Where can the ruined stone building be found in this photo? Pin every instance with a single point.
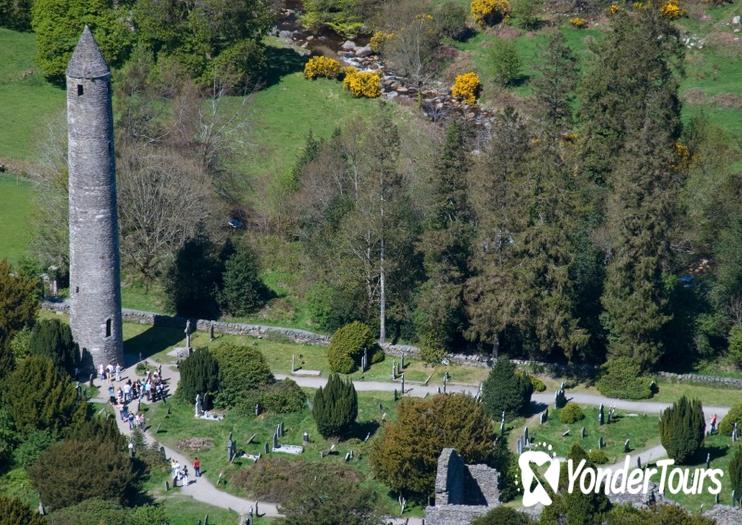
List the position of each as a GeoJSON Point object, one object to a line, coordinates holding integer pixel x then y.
{"type": "Point", "coordinates": [95, 288]}
{"type": "Point", "coordinates": [462, 492]}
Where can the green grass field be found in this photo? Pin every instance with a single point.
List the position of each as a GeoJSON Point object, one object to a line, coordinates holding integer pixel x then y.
{"type": "Point", "coordinates": [641, 429]}
{"type": "Point", "coordinates": [16, 225]}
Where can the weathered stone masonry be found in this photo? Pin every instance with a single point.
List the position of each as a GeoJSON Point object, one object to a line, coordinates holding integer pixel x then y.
{"type": "Point", "coordinates": [95, 291]}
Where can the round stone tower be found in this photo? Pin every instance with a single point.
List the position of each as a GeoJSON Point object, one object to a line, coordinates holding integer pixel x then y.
{"type": "Point", "coordinates": [95, 288]}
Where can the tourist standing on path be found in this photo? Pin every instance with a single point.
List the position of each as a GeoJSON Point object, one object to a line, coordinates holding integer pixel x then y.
{"type": "Point", "coordinates": [197, 467]}
{"type": "Point", "coordinates": [118, 372]}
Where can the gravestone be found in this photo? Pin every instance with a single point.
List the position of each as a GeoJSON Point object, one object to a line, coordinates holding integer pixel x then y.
{"type": "Point", "coordinates": [525, 436]}
{"type": "Point", "coordinates": [257, 409]}
{"type": "Point", "coordinates": [211, 330]}
{"type": "Point", "coordinates": [402, 383]}
{"type": "Point", "coordinates": [188, 335]}
{"type": "Point", "coordinates": [601, 443]}
{"type": "Point", "coordinates": [199, 406]}
{"type": "Point", "coordinates": [626, 446]}
{"type": "Point", "coordinates": [364, 360]}
{"type": "Point", "coordinates": [502, 424]}
{"type": "Point", "coordinates": [708, 459]}
{"type": "Point", "coordinates": [638, 462]}
{"type": "Point", "coordinates": [267, 448]}
{"type": "Point", "coordinates": [583, 433]}
{"type": "Point", "coordinates": [275, 441]}
{"type": "Point", "coordinates": [601, 414]}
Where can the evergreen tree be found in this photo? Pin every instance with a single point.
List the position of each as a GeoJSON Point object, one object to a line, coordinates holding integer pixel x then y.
{"type": "Point", "coordinates": [735, 471]}
{"type": "Point", "coordinates": [506, 389]}
{"type": "Point", "coordinates": [335, 407]}
{"type": "Point", "coordinates": [445, 244]}
{"type": "Point", "coordinates": [682, 428]}
{"type": "Point", "coordinates": [554, 89]}
{"type": "Point", "coordinates": [58, 25]}
{"type": "Point", "coordinates": [14, 512]}
{"type": "Point", "coordinates": [53, 339]}
{"type": "Point", "coordinates": [40, 397]}
{"type": "Point", "coordinates": [19, 302]}
{"type": "Point", "coordinates": [242, 290]}
{"type": "Point", "coordinates": [637, 135]}
{"type": "Point", "coordinates": [192, 280]}
{"type": "Point", "coordinates": [16, 14]}
{"type": "Point", "coordinates": [199, 374]}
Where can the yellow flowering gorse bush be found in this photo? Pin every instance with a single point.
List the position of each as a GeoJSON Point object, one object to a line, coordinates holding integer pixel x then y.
{"type": "Point", "coordinates": [578, 22]}
{"type": "Point", "coordinates": [488, 11]}
{"type": "Point", "coordinates": [378, 39]}
{"type": "Point", "coordinates": [362, 83]}
{"type": "Point", "coordinates": [672, 10]}
{"type": "Point", "coordinates": [322, 67]}
{"type": "Point", "coordinates": [467, 87]}
{"type": "Point", "coordinates": [614, 9]}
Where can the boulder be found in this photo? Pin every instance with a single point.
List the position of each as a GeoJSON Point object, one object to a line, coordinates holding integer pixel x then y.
{"type": "Point", "coordinates": [364, 51]}
{"type": "Point", "coordinates": [348, 45]}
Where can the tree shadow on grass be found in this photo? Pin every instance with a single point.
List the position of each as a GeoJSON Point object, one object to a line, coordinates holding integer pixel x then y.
{"type": "Point", "coordinates": [714, 452]}
{"type": "Point", "coordinates": [361, 429]}
{"type": "Point", "coordinates": [281, 61]}
{"type": "Point", "coordinates": [153, 340]}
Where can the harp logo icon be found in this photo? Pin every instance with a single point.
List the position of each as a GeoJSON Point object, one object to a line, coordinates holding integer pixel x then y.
{"type": "Point", "coordinates": [535, 494]}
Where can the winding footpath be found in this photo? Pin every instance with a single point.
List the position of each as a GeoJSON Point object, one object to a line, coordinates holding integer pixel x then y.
{"type": "Point", "coordinates": [204, 491]}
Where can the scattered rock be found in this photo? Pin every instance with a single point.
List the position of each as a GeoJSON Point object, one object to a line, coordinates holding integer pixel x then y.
{"type": "Point", "coordinates": [364, 51]}
{"type": "Point", "coordinates": [348, 45]}
{"type": "Point", "coordinates": [196, 443]}
{"type": "Point", "coordinates": [736, 20]}
{"type": "Point", "coordinates": [286, 35]}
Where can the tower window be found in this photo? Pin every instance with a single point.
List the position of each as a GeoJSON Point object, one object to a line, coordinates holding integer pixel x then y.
{"type": "Point", "coordinates": [79, 90]}
{"type": "Point", "coordinates": [77, 289]}
{"type": "Point", "coordinates": [108, 328]}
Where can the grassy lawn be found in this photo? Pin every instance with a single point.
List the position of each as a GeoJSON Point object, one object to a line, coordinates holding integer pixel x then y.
{"type": "Point", "coordinates": [27, 102]}
{"type": "Point", "coordinates": [640, 429]}
{"type": "Point", "coordinates": [182, 510]}
{"type": "Point", "coordinates": [180, 424]}
{"type": "Point", "coordinates": [16, 207]}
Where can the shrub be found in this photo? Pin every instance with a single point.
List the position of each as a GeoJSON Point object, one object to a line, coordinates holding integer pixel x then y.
{"type": "Point", "coordinates": [571, 414]}
{"type": "Point", "coordinates": [242, 369]}
{"type": "Point", "coordinates": [682, 429]}
{"type": "Point", "coordinates": [503, 516]}
{"type": "Point", "coordinates": [526, 13]}
{"type": "Point", "coordinates": [579, 23]}
{"type": "Point", "coordinates": [14, 512]}
{"type": "Point", "coordinates": [597, 456]}
{"type": "Point", "coordinates": [538, 385]}
{"type": "Point", "coordinates": [735, 470]}
{"type": "Point", "coordinates": [733, 416]}
{"type": "Point", "coordinates": [672, 10]}
{"type": "Point", "coordinates": [362, 83]}
{"type": "Point", "coordinates": [32, 446]}
{"type": "Point", "coordinates": [8, 437]}
{"type": "Point", "coordinates": [450, 19]}
{"type": "Point", "coordinates": [199, 374]}
{"type": "Point", "coordinates": [505, 62]}
{"type": "Point", "coordinates": [242, 291]}
{"type": "Point", "coordinates": [53, 339]}
{"type": "Point", "coordinates": [734, 350]}
{"type": "Point", "coordinates": [322, 66]}
{"type": "Point", "coordinates": [622, 377]}
{"type": "Point", "coordinates": [20, 345]}
{"type": "Point", "coordinates": [284, 397]}
{"type": "Point", "coordinates": [74, 470]}
{"type": "Point", "coordinates": [378, 39]}
{"type": "Point", "coordinates": [614, 9]}
{"type": "Point", "coordinates": [97, 511]}
{"type": "Point", "coordinates": [506, 389]}
{"type": "Point", "coordinates": [489, 11]}
{"type": "Point", "coordinates": [405, 456]}
{"type": "Point", "coordinates": [335, 407]}
{"type": "Point", "coordinates": [467, 87]}
{"type": "Point", "coordinates": [347, 346]}
{"type": "Point", "coordinates": [38, 396]}
{"type": "Point", "coordinates": [431, 352]}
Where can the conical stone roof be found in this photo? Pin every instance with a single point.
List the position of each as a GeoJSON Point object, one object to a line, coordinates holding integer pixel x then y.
{"type": "Point", "coordinates": [87, 61]}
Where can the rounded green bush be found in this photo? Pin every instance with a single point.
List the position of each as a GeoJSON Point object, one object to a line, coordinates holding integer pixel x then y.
{"type": "Point", "coordinates": [597, 456]}
{"type": "Point", "coordinates": [538, 385]}
{"type": "Point", "coordinates": [727, 424]}
{"type": "Point", "coordinates": [571, 414]}
{"type": "Point", "coordinates": [284, 397]}
{"type": "Point", "coordinates": [242, 369]}
{"type": "Point", "coordinates": [347, 346]}
{"type": "Point", "coordinates": [622, 377]}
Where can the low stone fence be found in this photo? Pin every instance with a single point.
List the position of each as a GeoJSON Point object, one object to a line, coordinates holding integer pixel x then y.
{"type": "Point", "coordinates": [306, 337]}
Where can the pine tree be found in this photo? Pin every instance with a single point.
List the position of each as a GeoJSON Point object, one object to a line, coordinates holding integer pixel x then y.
{"type": "Point", "coordinates": [19, 301]}
{"type": "Point", "coordinates": [554, 89]}
{"type": "Point", "coordinates": [192, 280]}
{"type": "Point", "coordinates": [242, 290]}
{"type": "Point", "coordinates": [199, 374]}
{"type": "Point", "coordinates": [335, 407]}
{"type": "Point", "coordinates": [14, 512]}
{"type": "Point", "coordinates": [682, 428]}
{"type": "Point", "coordinates": [53, 339]}
{"type": "Point", "coordinates": [445, 244]}
{"type": "Point", "coordinates": [506, 389]}
{"type": "Point", "coordinates": [735, 471]}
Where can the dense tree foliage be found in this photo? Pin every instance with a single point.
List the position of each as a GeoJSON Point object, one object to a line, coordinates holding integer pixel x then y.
{"type": "Point", "coordinates": [40, 397]}
{"type": "Point", "coordinates": [193, 279]}
{"type": "Point", "coordinates": [14, 512]}
{"type": "Point", "coordinates": [347, 346]}
{"type": "Point", "coordinates": [735, 470]}
{"type": "Point", "coordinates": [405, 456]}
{"type": "Point", "coordinates": [242, 291]}
{"type": "Point", "coordinates": [503, 516]}
{"type": "Point", "coordinates": [19, 302]}
{"type": "Point", "coordinates": [506, 390]}
{"type": "Point", "coordinates": [622, 377]}
{"type": "Point", "coordinates": [335, 407]}
{"type": "Point", "coordinates": [52, 338]}
{"type": "Point", "coordinates": [242, 369]}
{"type": "Point", "coordinates": [199, 374]}
{"type": "Point", "coordinates": [682, 429]}
{"type": "Point", "coordinates": [71, 471]}
{"type": "Point", "coordinates": [95, 511]}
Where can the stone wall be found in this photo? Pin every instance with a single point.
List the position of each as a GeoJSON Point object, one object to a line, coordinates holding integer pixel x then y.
{"type": "Point", "coordinates": [449, 480]}
{"type": "Point", "coordinates": [454, 514]}
{"type": "Point", "coordinates": [724, 515]}
{"type": "Point", "coordinates": [486, 480]}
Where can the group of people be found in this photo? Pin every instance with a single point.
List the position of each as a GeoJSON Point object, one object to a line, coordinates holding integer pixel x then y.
{"type": "Point", "coordinates": [180, 473]}
{"type": "Point", "coordinates": [150, 388]}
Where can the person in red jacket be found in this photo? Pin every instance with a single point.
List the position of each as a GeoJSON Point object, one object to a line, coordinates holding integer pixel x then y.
{"type": "Point", "coordinates": [197, 467]}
